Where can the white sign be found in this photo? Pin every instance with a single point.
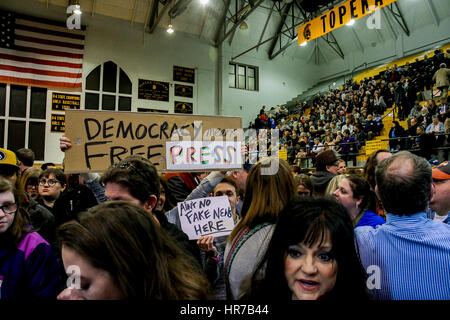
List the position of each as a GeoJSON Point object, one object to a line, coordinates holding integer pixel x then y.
{"type": "Point", "coordinates": [206, 217]}
{"type": "Point", "coordinates": [203, 155]}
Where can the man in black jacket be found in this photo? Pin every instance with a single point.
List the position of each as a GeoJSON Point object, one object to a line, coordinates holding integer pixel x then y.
{"type": "Point", "coordinates": [326, 163]}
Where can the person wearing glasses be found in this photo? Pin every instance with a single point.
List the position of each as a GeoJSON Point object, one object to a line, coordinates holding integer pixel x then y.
{"type": "Point", "coordinates": [40, 217]}
{"type": "Point", "coordinates": [52, 182]}
{"type": "Point", "coordinates": [28, 267]}
{"type": "Point", "coordinates": [326, 163]}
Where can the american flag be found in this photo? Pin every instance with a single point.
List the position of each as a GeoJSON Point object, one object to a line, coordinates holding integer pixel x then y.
{"type": "Point", "coordinates": [40, 52]}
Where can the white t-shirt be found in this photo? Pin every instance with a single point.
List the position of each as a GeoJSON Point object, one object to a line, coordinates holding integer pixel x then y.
{"type": "Point", "coordinates": [439, 218]}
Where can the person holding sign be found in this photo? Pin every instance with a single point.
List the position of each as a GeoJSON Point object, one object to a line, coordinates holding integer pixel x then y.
{"type": "Point", "coordinates": [311, 255]}
{"type": "Point", "coordinates": [136, 180]}
{"type": "Point", "coordinates": [265, 197]}
{"type": "Point", "coordinates": [214, 247]}
{"type": "Point", "coordinates": [122, 253]}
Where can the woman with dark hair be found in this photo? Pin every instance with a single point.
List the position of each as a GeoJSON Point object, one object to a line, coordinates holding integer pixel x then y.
{"type": "Point", "coordinates": [354, 194]}
{"type": "Point", "coordinates": [270, 185]}
{"type": "Point", "coordinates": [123, 254]}
{"type": "Point", "coordinates": [396, 133]}
{"type": "Point", "coordinates": [311, 255]}
{"type": "Point", "coordinates": [28, 267]}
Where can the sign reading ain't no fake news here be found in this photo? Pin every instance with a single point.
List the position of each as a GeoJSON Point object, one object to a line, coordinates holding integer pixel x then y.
{"type": "Point", "coordinates": [338, 17]}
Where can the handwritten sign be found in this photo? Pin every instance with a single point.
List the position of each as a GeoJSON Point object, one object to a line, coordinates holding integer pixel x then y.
{"type": "Point", "coordinates": [63, 101]}
{"type": "Point", "coordinates": [153, 90]}
{"type": "Point", "coordinates": [58, 123]}
{"type": "Point", "coordinates": [202, 155]}
{"type": "Point", "coordinates": [183, 107]}
{"type": "Point", "coordinates": [102, 138]}
{"type": "Point", "coordinates": [184, 91]}
{"type": "Point", "coordinates": [183, 74]}
{"type": "Point", "coordinates": [206, 217]}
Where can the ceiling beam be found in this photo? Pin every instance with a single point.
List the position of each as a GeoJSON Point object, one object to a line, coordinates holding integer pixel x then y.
{"type": "Point", "coordinates": [178, 8]}
{"type": "Point", "coordinates": [332, 42]}
{"type": "Point", "coordinates": [433, 12]}
{"type": "Point", "coordinates": [391, 28]}
{"type": "Point", "coordinates": [134, 11]}
{"type": "Point", "coordinates": [242, 9]}
{"type": "Point", "coordinates": [265, 41]}
{"type": "Point", "coordinates": [237, 23]}
{"type": "Point", "coordinates": [159, 15]}
{"type": "Point", "coordinates": [205, 16]}
{"type": "Point", "coordinates": [284, 15]}
{"type": "Point", "coordinates": [265, 26]}
{"type": "Point", "coordinates": [222, 21]}
{"type": "Point", "coordinates": [396, 13]}
{"type": "Point", "coordinates": [358, 41]}
{"type": "Point", "coordinates": [93, 7]}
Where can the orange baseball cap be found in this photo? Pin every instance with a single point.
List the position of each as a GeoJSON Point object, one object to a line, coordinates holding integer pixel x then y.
{"type": "Point", "coordinates": [442, 171]}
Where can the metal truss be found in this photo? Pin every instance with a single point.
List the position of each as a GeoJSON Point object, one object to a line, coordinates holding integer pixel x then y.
{"type": "Point", "coordinates": [396, 13]}
{"type": "Point", "coordinates": [242, 9]}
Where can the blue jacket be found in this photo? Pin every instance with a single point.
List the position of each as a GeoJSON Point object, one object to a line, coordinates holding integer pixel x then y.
{"type": "Point", "coordinates": [29, 271]}
{"type": "Point", "coordinates": [370, 219]}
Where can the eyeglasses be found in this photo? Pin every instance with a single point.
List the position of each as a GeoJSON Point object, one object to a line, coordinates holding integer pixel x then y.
{"type": "Point", "coordinates": [50, 182]}
{"type": "Point", "coordinates": [9, 208]}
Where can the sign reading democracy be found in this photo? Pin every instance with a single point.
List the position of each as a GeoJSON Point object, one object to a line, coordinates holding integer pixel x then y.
{"type": "Point", "coordinates": [338, 17]}
{"type": "Point", "coordinates": [206, 217]}
{"type": "Point", "coordinates": [102, 138]}
{"type": "Point", "coordinates": [203, 155]}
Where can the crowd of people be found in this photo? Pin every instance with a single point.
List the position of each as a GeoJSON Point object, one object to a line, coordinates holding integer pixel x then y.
{"type": "Point", "coordinates": [344, 119]}
{"type": "Point", "coordinates": [379, 233]}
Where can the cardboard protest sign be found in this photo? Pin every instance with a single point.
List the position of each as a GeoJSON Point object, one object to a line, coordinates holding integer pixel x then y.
{"type": "Point", "coordinates": [206, 217]}
{"type": "Point", "coordinates": [102, 138]}
{"type": "Point", "coordinates": [202, 155]}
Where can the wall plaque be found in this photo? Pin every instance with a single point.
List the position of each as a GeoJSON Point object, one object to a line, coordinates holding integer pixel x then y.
{"type": "Point", "coordinates": [184, 91]}
{"type": "Point", "coordinates": [153, 90]}
{"type": "Point", "coordinates": [183, 74]}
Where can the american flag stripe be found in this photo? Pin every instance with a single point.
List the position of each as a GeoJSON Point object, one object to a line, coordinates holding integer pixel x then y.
{"type": "Point", "coordinates": [50, 59]}
{"type": "Point", "coordinates": [40, 83]}
{"type": "Point", "coordinates": [49, 42]}
{"type": "Point", "coordinates": [35, 34]}
{"type": "Point", "coordinates": [41, 62]}
{"type": "Point", "coordinates": [40, 71]}
{"type": "Point", "coordinates": [50, 32]}
{"type": "Point", "coordinates": [43, 53]}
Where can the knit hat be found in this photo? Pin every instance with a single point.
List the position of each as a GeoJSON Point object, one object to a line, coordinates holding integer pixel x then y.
{"type": "Point", "coordinates": [325, 158]}
{"type": "Point", "coordinates": [442, 171]}
{"type": "Point", "coordinates": [7, 157]}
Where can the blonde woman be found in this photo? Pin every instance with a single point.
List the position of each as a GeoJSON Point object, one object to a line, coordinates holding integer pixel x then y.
{"type": "Point", "coordinates": [265, 197]}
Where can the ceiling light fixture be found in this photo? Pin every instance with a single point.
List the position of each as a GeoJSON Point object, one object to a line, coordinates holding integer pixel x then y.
{"type": "Point", "coordinates": [204, 2]}
{"type": "Point", "coordinates": [170, 29]}
{"type": "Point", "coordinates": [304, 43]}
{"type": "Point", "coordinates": [243, 26]}
{"type": "Point", "coordinates": [351, 22]}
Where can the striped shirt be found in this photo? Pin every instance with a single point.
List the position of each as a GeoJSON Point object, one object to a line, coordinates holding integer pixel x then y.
{"type": "Point", "coordinates": [413, 257]}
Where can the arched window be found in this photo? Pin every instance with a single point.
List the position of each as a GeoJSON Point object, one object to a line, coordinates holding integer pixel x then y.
{"type": "Point", "coordinates": [108, 88]}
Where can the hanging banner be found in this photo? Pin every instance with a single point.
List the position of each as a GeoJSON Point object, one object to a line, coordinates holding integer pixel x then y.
{"type": "Point", "coordinates": [339, 16]}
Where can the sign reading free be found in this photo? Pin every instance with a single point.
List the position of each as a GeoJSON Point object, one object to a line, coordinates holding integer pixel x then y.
{"type": "Point", "coordinates": [102, 138]}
